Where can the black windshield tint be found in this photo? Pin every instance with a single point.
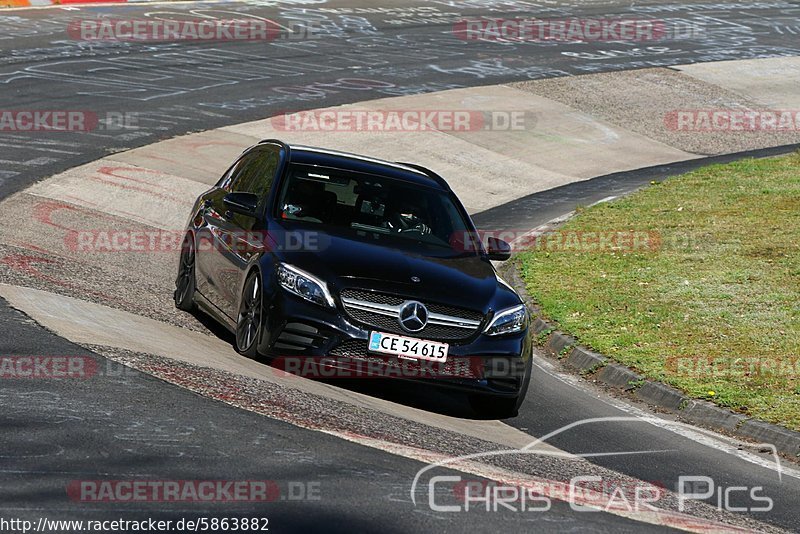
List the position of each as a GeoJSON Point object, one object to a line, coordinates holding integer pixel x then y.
{"type": "Point", "coordinates": [374, 209]}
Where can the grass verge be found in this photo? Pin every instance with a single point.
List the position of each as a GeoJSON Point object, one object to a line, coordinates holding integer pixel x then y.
{"type": "Point", "coordinates": [697, 284]}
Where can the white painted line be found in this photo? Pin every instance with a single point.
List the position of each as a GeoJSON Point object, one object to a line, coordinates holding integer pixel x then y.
{"type": "Point", "coordinates": [542, 228]}
{"type": "Point", "coordinates": [699, 435]}
{"type": "Point", "coordinates": [602, 200]}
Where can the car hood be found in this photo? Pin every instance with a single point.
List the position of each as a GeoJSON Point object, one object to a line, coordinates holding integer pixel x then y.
{"type": "Point", "coordinates": [467, 282]}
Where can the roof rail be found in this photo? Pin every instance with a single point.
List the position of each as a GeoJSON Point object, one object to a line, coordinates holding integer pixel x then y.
{"type": "Point", "coordinates": [283, 145]}
{"type": "Point", "coordinates": [419, 168]}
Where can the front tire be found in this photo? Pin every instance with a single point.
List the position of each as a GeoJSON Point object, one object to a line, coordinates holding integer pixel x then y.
{"type": "Point", "coordinates": [185, 283]}
{"type": "Point", "coordinates": [249, 322]}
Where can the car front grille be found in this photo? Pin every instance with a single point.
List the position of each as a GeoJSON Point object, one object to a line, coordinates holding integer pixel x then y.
{"type": "Point", "coordinates": [381, 311]}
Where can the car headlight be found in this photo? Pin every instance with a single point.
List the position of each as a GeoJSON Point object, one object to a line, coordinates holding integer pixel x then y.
{"type": "Point", "coordinates": [508, 321]}
{"type": "Point", "coordinates": [304, 285]}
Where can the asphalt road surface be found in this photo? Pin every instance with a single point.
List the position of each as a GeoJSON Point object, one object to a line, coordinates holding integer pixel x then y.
{"type": "Point", "coordinates": [123, 425]}
{"type": "Point", "coordinates": [132, 425]}
{"type": "Point", "coordinates": [405, 48]}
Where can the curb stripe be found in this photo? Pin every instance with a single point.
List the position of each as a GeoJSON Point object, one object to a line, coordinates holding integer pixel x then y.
{"type": "Point", "coordinates": [41, 3]}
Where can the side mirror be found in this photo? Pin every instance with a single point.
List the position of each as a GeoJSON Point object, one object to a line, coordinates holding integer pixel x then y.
{"type": "Point", "coordinates": [242, 203]}
{"type": "Point", "coordinates": [497, 249]}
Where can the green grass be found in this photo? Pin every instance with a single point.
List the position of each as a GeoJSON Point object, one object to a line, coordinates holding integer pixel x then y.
{"type": "Point", "coordinates": [722, 283]}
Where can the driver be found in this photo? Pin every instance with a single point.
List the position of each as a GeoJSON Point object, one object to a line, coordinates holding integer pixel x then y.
{"type": "Point", "coordinates": [409, 216]}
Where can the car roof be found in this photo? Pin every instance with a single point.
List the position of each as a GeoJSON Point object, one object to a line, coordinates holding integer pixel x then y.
{"type": "Point", "coordinates": [310, 155]}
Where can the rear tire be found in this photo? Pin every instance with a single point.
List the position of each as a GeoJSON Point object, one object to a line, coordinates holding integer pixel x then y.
{"type": "Point", "coordinates": [185, 282]}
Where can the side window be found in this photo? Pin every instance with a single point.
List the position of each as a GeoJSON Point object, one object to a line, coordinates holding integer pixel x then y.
{"type": "Point", "coordinates": [231, 174]}
{"type": "Point", "coordinates": [256, 172]}
{"type": "Point", "coordinates": [240, 175]}
{"type": "Point", "coordinates": [260, 180]}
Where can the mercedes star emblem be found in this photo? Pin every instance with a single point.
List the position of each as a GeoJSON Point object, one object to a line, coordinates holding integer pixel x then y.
{"type": "Point", "coordinates": [413, 316]}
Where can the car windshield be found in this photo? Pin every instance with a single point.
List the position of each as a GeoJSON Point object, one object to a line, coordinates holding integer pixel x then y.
{"type": "Point", "coordinates": [376, 209]}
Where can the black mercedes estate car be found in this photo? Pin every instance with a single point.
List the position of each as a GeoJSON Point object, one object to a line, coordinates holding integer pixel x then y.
{"type": "Point", "coordinates": [309, 253]}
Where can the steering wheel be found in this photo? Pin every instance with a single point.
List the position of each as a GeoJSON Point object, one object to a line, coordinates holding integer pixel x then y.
{"type": "Point", "coordinates": [411, 223]}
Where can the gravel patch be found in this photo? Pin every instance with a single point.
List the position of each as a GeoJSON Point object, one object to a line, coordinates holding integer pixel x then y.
{"type": "Point", "coordinates": [37, 252]}
{"type": "Point", "coordinates": [642, 100]}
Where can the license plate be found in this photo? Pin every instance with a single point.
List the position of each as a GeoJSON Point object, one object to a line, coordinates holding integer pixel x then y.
{"type": "Point", "coordinates": [408, 347]}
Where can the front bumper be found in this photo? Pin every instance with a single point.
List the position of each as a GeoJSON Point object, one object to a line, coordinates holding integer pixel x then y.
{"type": "Point", "coordinates": [321, 342]}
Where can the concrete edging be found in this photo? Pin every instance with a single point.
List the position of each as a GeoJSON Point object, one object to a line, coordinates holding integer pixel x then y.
{"type": "Point", "coordinates": [603, 369]}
